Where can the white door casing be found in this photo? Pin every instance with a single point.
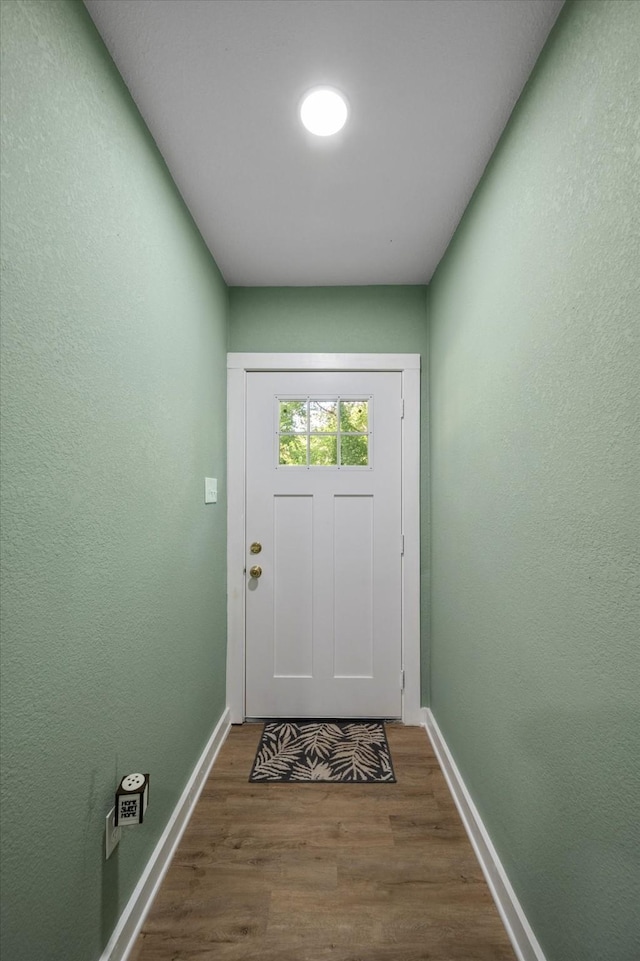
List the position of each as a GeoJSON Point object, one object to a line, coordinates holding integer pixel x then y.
{"type": "Point", "coordinates": [323, 614]}
{"type": "Point", "coordinates": [288, 652]}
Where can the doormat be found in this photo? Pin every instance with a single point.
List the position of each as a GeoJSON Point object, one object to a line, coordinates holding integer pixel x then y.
{"type": "Point", "coordinates": [348, 751]}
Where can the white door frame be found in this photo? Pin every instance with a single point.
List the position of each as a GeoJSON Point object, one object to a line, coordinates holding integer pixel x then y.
{"type": "Point", "coordinates": [238, 365]}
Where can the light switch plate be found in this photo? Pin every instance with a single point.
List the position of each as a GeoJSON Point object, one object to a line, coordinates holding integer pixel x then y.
{"type": "Point", "coordinates": [210, 490]}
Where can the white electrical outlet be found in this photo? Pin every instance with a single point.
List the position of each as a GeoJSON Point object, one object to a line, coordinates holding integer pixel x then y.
{"type": "Point", "coordinates": [112, 834]}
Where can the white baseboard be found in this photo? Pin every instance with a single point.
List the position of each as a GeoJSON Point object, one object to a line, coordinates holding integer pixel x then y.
{"type": "Point", "coordinates": [522, 937]}
{"type": "Point", "coordinates": [132, 918]}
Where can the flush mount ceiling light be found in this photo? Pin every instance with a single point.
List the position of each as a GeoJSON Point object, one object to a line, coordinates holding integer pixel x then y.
{"type": "Point", "coordinates": [323, 111]}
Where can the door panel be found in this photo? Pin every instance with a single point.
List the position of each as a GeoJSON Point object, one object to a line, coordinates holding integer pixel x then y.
{"type": "Point", "coordinates": [353, 578]}
{"type": "Point", "coordinates": [323, 489]}
{"type": "Point", "coordinates": [293, 578]}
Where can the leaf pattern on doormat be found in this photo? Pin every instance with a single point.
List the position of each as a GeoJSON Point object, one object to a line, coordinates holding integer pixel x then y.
{"type": "Point", "coordinates": [349, 751]}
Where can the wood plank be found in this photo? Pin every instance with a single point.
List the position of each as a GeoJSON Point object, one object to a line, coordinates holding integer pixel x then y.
{"type": "Point", "coordinates": [312, 872]}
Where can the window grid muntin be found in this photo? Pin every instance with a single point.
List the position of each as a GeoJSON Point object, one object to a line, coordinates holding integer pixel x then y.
{"type": "Point", "coordinates": [338, 433]}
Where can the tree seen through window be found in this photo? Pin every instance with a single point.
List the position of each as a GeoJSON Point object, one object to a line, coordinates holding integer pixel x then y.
{"type": "Point", "coordinates": [319, 432]}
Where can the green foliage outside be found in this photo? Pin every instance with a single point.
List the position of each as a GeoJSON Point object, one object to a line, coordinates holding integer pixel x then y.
{"type": "Point", "coordinates": [312, 431]}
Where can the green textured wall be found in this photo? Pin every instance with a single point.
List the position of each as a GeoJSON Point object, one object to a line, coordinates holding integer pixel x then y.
{"type": "Point", "coordinates": [344, 320]}
{"type": "Point", "coordinates": [535, 447]}
{"type": "Point", "coordinates": [113, 570]}
{"type": "Point", "coordinates": [318, 319]}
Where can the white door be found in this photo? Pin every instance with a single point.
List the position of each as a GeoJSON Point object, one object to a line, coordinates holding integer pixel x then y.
{"type": "Point", "coordinates": [323, 507]}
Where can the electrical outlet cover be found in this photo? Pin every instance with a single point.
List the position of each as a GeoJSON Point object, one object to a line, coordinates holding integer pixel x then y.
{"type": "Point", "coordinates": [112, 834]}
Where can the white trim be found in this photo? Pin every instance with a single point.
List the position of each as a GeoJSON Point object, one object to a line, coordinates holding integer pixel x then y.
{"type": "Point", "coordinates": [411, 556]}
{"type": "Point", "coordinates": [237, 367]}
{"type": "Point", "coordinates": [236, 420]}
{"type": "Point", "coordinates": [237, 361]}
{"type": "Point", "coordinates": [524, 941]}
{"type": "Point", "coordinates": [132, 918]}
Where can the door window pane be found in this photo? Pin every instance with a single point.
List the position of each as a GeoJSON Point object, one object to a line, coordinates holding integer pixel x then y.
{"type": "Point", "coordinates": [354, 450]}
{"type": "Point", "coordinates": [293, 416]}
{"type": "Point", "coordinates": [293, 449]}
{"type": "Point", "coordinates": [354, 415]}
{"type": "Point", "coordinates": [322, 416]}
{"type": "Point", "coordinates": [323, 450]}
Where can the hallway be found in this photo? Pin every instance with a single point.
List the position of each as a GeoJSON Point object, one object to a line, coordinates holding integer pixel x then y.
{"type": "Point", "coordinates": [119, 603]}
{"type": "Point", "coordinates": [307, 872]}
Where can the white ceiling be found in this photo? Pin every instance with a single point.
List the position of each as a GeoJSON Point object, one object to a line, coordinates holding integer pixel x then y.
{"type": "Point", "coordinates": [430, 83]}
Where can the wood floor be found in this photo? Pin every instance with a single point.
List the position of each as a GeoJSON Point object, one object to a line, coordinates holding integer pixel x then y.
{"type": "Point", "coordinates": [312, 872]}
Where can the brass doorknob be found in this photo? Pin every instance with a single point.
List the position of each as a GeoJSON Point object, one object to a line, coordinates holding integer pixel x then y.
{"type": "Point", "coordinates": [256, 571]}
